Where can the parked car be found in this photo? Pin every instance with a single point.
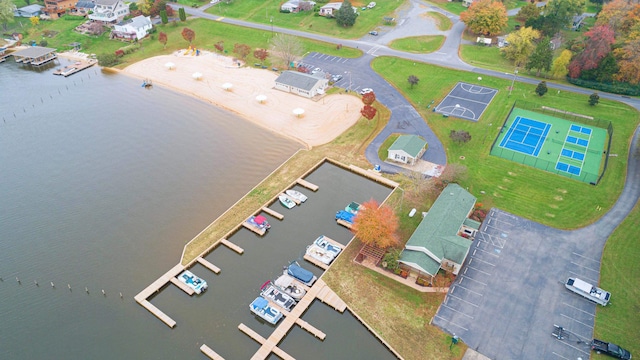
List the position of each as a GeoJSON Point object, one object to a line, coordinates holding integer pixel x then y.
{"type": "Point", "coordinates": [316, 70]}
{"type": "Point", "coordinates": [611, 349]}
{"type": "Point", "coordinates": [365, 91]}
{"type": "Point", "coordinates": [336, 78]}
{"type": "Point", "coordinates": [373, 32]}
{"type": "Point", "coordinates": [371, 5]}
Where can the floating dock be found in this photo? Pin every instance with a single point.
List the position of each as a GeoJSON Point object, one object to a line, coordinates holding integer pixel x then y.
{"type": "Point", "coordinates": [74, 68]}
{"type": "Point", "coordinates": [307, 184]}
{"type": "Point", "coordinates": [290, 198]}
{"type": "Point", "coordinates": [150, 290]}
{"type": "Point", "coordinates": [344, 223]}
{"type": "Point", "coordinates": [182, 286]}
{"type": "Point", "coordinates": [208, 264]}
{"type": "Point", "coordinates": [273, 213]}
{"type": "Point", "coordinates": [315, 262]}
{"type": "Point", "coordinates": [254, 228]}
{"type": "Point", "coordinates": [210, 353]}
{"type": "Point", "coordinates": [232, 246]}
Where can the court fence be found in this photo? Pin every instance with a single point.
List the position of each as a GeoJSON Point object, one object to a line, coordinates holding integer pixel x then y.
{"type": "Point", "coordinates": [546, 165]}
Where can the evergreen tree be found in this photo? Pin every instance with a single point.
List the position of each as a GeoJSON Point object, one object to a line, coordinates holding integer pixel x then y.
{"type": "Point", "coordinates": [346, 16]}
{"type": "Point", "coordinates": [541, 89]}
{"type": "Point", "coordinates": [182, 14]}
{"type": "Point", "coordinates": [163, 17]}
{"type": "Point", "coordinates": [541, 57]}
{"type": "Point", "coordinates": [594, 99]}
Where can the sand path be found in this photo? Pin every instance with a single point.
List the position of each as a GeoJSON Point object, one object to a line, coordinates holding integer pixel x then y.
{"type": "Point", "coordinates": [322, 121]}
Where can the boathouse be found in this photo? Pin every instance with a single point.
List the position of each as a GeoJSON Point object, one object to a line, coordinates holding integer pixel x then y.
{"type": "Point", "coordinates": [407, 149]}
{"type": "Point", "coordinates": [35, 55]}
{"type": "Point", "coordinates": [443, 237]}
{"type": "Point", "coordinates": [302, 84]}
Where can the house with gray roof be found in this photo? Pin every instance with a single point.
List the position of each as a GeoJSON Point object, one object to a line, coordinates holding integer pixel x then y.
{"type": "Point", "coordinates": [109, 11]}
{"type": "Point", "coordinates": [136, 28]}
{"type": "Point", "coordinates": [443, 237]}
{"type": "Point", "coordinates": [28, 11]}
{"type": "Point", "coordinates": [407, 149]}
{"type": "Point", "coordinates": [302, 84]}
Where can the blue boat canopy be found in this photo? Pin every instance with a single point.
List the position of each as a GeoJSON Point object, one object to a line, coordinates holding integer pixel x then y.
{"type": "Point", "coordinates": [300, 273]}
{"type": "Point", "coordinates": [260, 302]}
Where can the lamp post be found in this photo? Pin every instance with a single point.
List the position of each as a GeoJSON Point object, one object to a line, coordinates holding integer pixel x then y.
{"type": "Point", "coordinates": [513, 82]}
{"type": "Point", "coordinates": [349, 89]}
{"type": "Point", "coordinates": [271, 21]}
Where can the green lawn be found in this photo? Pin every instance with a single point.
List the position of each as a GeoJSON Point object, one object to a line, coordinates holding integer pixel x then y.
{"type": "Point", "coordinates": [263, 12]}
{"type": "Point", "coordinates": [456, 6]}
{"type": "Point", "coordinates": [618, 322]}
{"type": "Point", "coordinates": [443, 22]}
{"type": "Point", "coordinates": [559, 202]}
{"type": "Point", "coordinates": [382, 151]}
{"type": "Point", "coordinates": [487, 57]}
{"type": "Point", "coordinates": [418, 44]}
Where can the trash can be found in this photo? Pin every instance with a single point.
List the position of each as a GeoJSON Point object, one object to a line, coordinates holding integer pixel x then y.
{"type": "Point", "coordinates": [376, 167]}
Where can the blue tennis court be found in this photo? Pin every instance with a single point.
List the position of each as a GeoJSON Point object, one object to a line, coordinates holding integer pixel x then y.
{"type": "Point", "coordinates": [581, 129]}
{"type": "Point", "coordinates": [526, 136]}
{"type": "Point", "coordinates": [568, 168]}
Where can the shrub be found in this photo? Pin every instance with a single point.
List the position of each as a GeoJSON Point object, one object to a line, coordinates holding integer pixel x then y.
{"type": "Point", "coordinates": [107, 59]}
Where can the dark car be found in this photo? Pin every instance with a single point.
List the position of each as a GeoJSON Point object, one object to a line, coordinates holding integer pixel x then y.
{"type": "Point", "coordinates": [611, 349]}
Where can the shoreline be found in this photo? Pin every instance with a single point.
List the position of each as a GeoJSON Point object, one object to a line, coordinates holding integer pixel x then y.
{"type": "Point", "coordinates": [322, 121]}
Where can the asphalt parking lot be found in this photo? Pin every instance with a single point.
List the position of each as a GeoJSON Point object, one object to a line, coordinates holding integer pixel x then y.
{"type": "Point", "coordinates": [510, 292]}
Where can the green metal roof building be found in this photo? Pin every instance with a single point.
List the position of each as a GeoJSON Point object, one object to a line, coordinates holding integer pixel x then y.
{"type": "Point", "coordinates": [438, 241]}
{"type": "Point", "coordinates": [407, 149]}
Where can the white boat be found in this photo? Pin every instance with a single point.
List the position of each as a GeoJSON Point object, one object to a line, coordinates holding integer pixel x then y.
{"type": "Point", "coordinates": [260, 306]}
{"type": "Point", "coordinates": [279, 297]}
{"type": "Point", "coordinates": [326, 245]}
{"type": "Point", "coordinates": [192, 281]}
{"type": "Point", "coordinates": [260, 222]}
{"type": "Point", "coordinates": [297, 195]}
{"type": "Point", "coordinates": [288, 284]}
{"type": "Point", "coordinates": [319, 254]}
{"type": "Point", "coordinates": [286, 201]}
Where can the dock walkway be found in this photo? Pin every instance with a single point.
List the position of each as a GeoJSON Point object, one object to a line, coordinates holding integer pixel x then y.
{"type": "Point", "coordinates": [307, 184]}
{"type": "Point", "coordinates": [273, 213]}
{"type": "Point", "coordinates": [255, 229]}
{"type": "Point", "coordinates": [232, 246]}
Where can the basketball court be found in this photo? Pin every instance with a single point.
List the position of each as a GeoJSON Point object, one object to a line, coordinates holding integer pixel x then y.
{"type": "Point", "coordinates": [466, 101]}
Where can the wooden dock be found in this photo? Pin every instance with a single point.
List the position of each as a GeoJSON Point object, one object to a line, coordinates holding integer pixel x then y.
{"type": "Point", "coordinates": [290, 198]}
{"type": "Point", "coordinates": [210, 353]}
{"type": "Point", "coordinates": [344, 223]}
{"type": "Point", "coordinates": [158, 313]}
{"type": "Point", "coordinates": [182, 286]}
{"type": "Point", "coordinates": [315, 262]}
{"type": "Point", "coordinates": [232, 246]}
{"type": "Point", "coordinates": [273, 213]}
{"type": "Point", "coordinates": [327, 296]}
{"type": "Point", "coordinates": [74, 68]}
{"type": "Point", "coordinates": [163, 280]}
{"type": "Point", "coordinates": [208, 264]}
{"type": "Point", "coordinates": [333, 242]}
{"type": "Point", "coordinates": [254, 228]}
{"type": "Point", "coordinates": [307, 184]}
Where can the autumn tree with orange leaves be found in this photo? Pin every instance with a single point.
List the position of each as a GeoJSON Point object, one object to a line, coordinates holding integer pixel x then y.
{"type": "Point", "coordinates": [376, 225]}
{"type": "Point", "coordinates": [485, 17]}
{"type": "Point", "coordinates": [189, 35]}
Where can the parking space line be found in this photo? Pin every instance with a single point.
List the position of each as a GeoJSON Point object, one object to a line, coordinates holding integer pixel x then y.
{"type": "Point", "coordinates": [560, 356]}
{"type": "Point", "coordinates": [586, 267]}
{"type": "Point", "coordinates": [579, 322]}
{"type": "Point", "coordinates": [472, 279]}
{"type": "Point", "coordinates": [459, 312]}
{"type": "Point", "coordinates": [487, 252]}
{"type": "Point", "coordinates": [471, 267]}
{"type": "Point", "coordinates": [486, 262]}
{"type": "Point", "coordinates": [584, 278]}
{"type": "Point", "coordinates": [575, 348]}
{"type": "Point", "coordinates": [584, 257]}
{"type": "Point", "coordinates": [469, 290]}
{"type": "Point", "coordinates": [463, 300]}
{"type": "Point", "coordinates": [333, 58]}
{"type": "Point", "coordinates": [586, 312]}
{"type": "Point", "coordinates": [451, 322]}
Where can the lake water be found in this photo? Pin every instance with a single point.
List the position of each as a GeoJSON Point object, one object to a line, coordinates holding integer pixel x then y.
{"type": "Point", "coordinates": [101, 184]}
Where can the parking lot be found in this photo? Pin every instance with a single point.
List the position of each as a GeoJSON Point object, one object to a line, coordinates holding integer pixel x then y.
{"type": "Point", "coordinates": [510, 292]}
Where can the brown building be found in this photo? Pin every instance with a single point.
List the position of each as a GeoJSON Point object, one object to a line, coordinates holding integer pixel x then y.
{"type": "Point", "coordinates": [56, 8]}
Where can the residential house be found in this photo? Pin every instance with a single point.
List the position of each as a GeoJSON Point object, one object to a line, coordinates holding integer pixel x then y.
{"type": "Point", "coordinates": [443, 237]}
{"type": "Point", "coordinates": [576, 22]}
{"type": "Point", "coordinates": [407, 149]}
{"type": "Point", "coordinates": [295, 6]}
{"type": "Point", "coordinates": [57, 8]}
{"type": "Point", "coordinates": [109, 11]}
{"type": "Point", "coordinates": [332, 7]}
{"type": "Point", "coordinates": [301, 84]}
{"type": "Point", "coordinates": [28, 11]}
{"type": "Point", "coordinates": [132, 29]}
{"type": "Point", "coordinates": [84, 7]}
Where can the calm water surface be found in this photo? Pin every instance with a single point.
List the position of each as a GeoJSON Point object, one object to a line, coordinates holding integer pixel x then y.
{"type": "Point", "coordinates": [101, 185]}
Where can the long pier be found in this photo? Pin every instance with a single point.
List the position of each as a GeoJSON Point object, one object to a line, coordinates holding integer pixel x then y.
{"type": "Point", "coordinates": [74, 68]}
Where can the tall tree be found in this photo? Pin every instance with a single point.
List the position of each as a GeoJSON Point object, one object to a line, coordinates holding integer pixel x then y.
{"type": "Point", "coordinates": [598, 43]}
{"type": "Point", "coordinates": [163, 17]}
{"type": "Point", "coordinates": [594, 99]}
{"type": "Point", "coordinates": [413, 80]}
{"type": "Point", "coordinates": [6, 12]}
{"type": "Point", "coordinates": [521, 45]}
{"type": "Point", "coordinates": [614, 14]}
{"type": "Point", "coordinates": [369, 98]}
{"type": "Point", "coordinates": [242, 50]}
{"type": "Point", "coordinates": [219, 46]}
{"type": "Point", "coordinates": [182, 14]}
{"type": "Point", "coordinates": [261, 54]}
{"type": "Point", "coordinates": [529, 11]}
{"type": "Point", "coordinates": [346, 15]}
{"type": "Point", "coordinates": [368, 112]}
{"type": "Point", "coordinates": [286, 47]}
{"type": "Point", "coordinates": [564, 10]}
{"type": "Point", "coordinates": [485, 17]}
{"type": "Point", "coordinates": [541, 57]}
{"type": "Point", "coordinates": [629, 61]}
{"type": "Point", "coordinates": [542, 89]}
{"type": "Point", "coordinates": [376, 225]}
{"type": "Point", "coordinates": [559, 67]}
{"type": "Point", "coordinates": [162, 37]}
{"type": "Point", "coordinates": [189, 35]}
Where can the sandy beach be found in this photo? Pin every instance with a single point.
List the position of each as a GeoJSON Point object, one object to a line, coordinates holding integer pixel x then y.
{"type": "Point", "coordinates": [322, 121]}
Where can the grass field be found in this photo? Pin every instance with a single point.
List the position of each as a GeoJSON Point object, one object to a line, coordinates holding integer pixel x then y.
{"type": "Point", "coordinates": [268, 12]}
{"type": "Point", "coordinates": [562, 203]}
{"type": "Point", "coordinates": [456, 6]}
{"type": "Point", "coordinates": [443, 22]}
{"type": "Point", "coordinates": [487, 57]}
{"type": "Point", "coordinates": [418, 44]}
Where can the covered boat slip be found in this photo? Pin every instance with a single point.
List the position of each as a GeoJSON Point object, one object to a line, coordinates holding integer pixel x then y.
{"type": "Point", "coordinates": [35, 55]}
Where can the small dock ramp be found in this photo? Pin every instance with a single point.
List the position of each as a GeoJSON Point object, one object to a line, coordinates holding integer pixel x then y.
{"type": "Point", "coordinates": [327, 296]}
{"type": "Point", "coordinates": [307, 184]}
{"type": "Point", "coordinates": [232, 246]}
{"type": "Point", "coordinates": [208, 264]}
{"type": "Point", "coordinates": [210, 353]}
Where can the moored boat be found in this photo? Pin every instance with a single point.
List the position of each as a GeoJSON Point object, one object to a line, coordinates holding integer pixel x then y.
{"type": "Point", "coordinates": [319, 254]}
{"type": "Point", "coordinates": [297, 195]}
{"type": "Point", "coordinates": [288, 284]}
{"type": "Point", "coordinates": [192, 281]}
{"type": "Point", "coordinates": [326, 245]}
{"type": "Point", "coordinates": [286, 201]}
{"type": "Point", "coordinates": [260, 306]}
{"type": "Point", "coordinates": [301, 274]}
{"type": "Point", "coordinates": [280, 298]}
{"type": "Point", "coordinates": [259, 222]}
{"type": "Point", "coordinates": [353, 207]}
